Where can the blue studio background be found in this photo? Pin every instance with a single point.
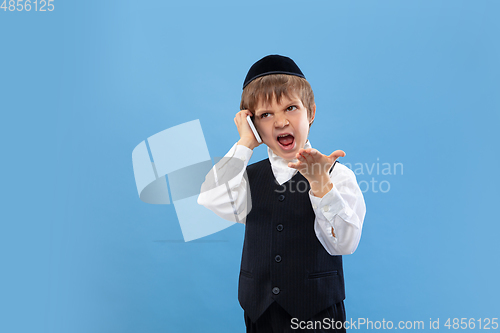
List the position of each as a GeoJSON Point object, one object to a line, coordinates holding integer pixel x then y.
{"type": "Point", "coordinates": [409, 89]}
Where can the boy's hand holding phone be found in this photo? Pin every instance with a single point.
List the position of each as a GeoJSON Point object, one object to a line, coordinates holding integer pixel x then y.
{"type": "Point", "coordinates": [314, 166]}
{"type": "Point", "coordinates": [247, 137]}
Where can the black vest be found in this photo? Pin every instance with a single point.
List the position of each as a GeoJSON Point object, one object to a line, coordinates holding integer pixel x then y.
{"type": "Point", "coordinates": [282, 258]}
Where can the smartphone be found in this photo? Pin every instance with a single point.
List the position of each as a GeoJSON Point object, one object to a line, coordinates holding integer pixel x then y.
{"type": "Point", "coordinates": [254, 130]}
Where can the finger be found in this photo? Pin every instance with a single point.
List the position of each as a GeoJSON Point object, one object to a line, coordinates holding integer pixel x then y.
{"type": "Point", "coordinates": [336, 154]}
{"type": "Point", "coordinates": [246, 113]}
{"type": "Point", "coordinates": [308, 157]}
{"type": "Point", "coordinates": [242, 118]}
{"type": "Point", "coordinates": [303, 157]}
{"type": "Point", "coordinates": [298, 165]}
{"type": "Point", "coordinates": [240, 114]}
{"type": "Point", "coordinates": [316, 155]}
{"type": "Point", "coordinates": [238, 121]}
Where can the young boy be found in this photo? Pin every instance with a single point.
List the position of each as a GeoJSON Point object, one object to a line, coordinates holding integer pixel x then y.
{"type": "Point", "coordinates": [305, 212]}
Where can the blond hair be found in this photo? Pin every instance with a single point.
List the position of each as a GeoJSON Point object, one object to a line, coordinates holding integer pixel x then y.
{"type": "Point", "coordinates": [274, 86]}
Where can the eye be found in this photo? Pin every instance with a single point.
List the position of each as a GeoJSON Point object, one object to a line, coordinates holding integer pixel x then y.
{"type": "Point", "coordinates": [291, 108]}
{"type": "Point", "coordinates": [264, 115]}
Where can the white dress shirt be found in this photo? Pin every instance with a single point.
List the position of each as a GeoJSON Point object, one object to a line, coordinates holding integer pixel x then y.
{"type": "Point", "coordinates": [342, 208]}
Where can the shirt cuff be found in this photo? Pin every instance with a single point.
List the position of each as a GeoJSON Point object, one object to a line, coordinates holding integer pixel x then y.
{"type": "Point", "coordinates": [243, 152]}
{"type": "Point", "coordinates": [330, 205]}
{"type": "Point", "coordinates": [239, 152]}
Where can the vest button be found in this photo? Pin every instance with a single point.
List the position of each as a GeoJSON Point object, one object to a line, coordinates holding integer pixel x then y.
{"type": "Point", "coordinates": [277, 258]}
{"type": "Point", "coordinates": [281, 197]}
{"type": "Point", "coordinates": [276, 290]}
{"type": "Point", "coordinates": [279, 227]}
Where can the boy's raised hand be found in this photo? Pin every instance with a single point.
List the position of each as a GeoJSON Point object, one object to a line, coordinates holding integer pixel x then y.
{"type": "Point", "coordinates": [246, 135]}
{"type": "Point", "coordinates": [314, 166]}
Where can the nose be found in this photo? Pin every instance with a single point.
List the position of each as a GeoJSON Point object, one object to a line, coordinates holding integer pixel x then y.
{"type": "Point", "coordinates": [280, 121]}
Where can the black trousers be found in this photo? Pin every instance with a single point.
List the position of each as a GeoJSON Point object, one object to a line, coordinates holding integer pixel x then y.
{"type": "Point", "coordinates": [276, 320]}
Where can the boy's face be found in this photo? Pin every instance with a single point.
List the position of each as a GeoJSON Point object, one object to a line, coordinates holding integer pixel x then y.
{"type": "Point", "coordinates": [283, 127]}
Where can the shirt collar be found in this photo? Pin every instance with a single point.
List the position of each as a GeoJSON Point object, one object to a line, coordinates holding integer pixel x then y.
{"type": "Point", "coordinates": [280, 168]}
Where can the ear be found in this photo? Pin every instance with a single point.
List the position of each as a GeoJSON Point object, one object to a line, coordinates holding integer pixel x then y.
{"type": "Point", "coordinates": [313, 113]}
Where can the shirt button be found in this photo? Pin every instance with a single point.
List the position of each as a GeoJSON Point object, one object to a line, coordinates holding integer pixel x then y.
{"type": "Point", "coordinates": [281, 197]}
{"type": "Point", "coordinates": [277, 258]}
{"type": "Point", "coordinates": [326, 208]}
{"type": "Point", "coordinates": [242, 158]}
{"type": "Point", "coordinates": [276, 290]}
{"type": "Point", "coordinates": [314, 207]}
{"type": "Point", "coordinates": [279, 227]}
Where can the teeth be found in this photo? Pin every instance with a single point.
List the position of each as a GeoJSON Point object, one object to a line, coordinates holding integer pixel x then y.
{"type": "Point", "coordinates": [283, 135]}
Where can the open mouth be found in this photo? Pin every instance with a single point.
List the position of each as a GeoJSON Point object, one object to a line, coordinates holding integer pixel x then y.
{"type": "Point", "coordinates": [286, 141]}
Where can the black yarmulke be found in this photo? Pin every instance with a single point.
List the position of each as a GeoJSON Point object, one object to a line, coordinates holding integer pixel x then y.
{"type": "Point", "coordinates": [272, 64]}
